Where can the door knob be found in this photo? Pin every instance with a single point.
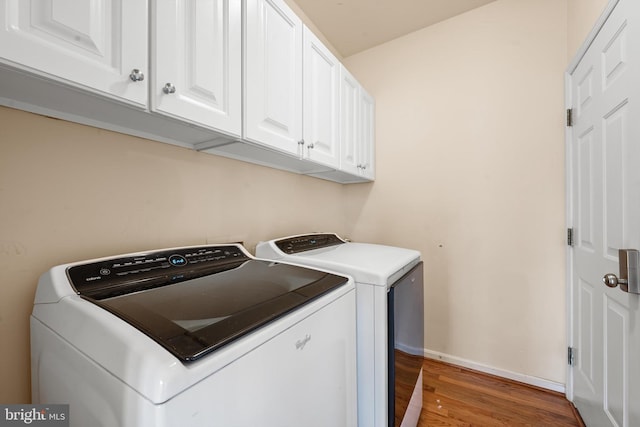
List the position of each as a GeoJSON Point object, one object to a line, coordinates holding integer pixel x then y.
{"type": "Point", "coordinates": [629, 277]}
{"type": "Point", "coordinates": [611, 280]}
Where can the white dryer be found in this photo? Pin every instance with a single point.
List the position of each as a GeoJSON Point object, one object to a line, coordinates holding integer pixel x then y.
{"type": "Point", "coordinates": [390, 318]}
{"type": "Point", "coordinates": [195, 336]}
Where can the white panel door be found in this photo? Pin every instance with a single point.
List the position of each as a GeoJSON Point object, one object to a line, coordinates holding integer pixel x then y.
{"type": "Point", "coordinates": [366, 150]}
{"type": "Point", "coordinates": [273, 75]}
{"type": "Point", "coordinates": [357, 123]}
{"type": "Point", "coordinates": [605, 199]}
{"type": "Point", "coordinates": [349, 122]}
{"type": "Point", "coordinates": [94, 44]}
{"type": "Point", "coordinates": [321, 102]}
{"type": "Point", "coordinates": [197, 62]}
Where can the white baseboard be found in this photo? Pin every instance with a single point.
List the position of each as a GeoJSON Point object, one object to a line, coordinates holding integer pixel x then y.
{"type": "Point", "coordinates": [527, 379]}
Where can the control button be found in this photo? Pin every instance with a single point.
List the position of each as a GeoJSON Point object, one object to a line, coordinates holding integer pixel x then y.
{"type": "Point", "coordinates": [177, 260]}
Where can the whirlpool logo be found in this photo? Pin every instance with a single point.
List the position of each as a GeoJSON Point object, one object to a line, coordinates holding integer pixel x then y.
{"type": "Point", "coordinates": [34, 415]}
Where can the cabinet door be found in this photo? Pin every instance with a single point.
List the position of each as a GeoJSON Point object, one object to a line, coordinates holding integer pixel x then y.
{"type": "Point", "coordinates": [366, 150]}
{"type": "Point", "coordinates": [92, 44]}
{"type": "Point", "coordinates": [196, 57]}
{"type": "Point", "coordinates": [273, 75]}
{"type": "Point", "coordinates": [321, 106]}
{"type": "Point", "coordinates": [349, 119]}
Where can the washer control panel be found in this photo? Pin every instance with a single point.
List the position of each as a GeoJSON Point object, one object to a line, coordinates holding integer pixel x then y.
{"type": "Point", "coordinates": [117, 276]}
{"type": "Point", "coordinates": [308, 242]}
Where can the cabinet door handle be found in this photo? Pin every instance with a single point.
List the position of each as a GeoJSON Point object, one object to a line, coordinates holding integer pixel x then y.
{"type": "Point", "coordinates": [169, 88]}
{"type": "Point", "coordinates": [136, 75]}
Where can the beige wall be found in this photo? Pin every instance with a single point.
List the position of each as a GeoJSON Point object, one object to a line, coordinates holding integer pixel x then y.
{"type": "Point", "coordinates": [470, 168]}
{"type": "Point", "coordinates": [470, 171]}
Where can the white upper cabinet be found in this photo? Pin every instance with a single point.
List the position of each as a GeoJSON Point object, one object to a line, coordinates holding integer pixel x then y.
{"type": "Point", "coordinates": [99, 45]}
{"type": "Point", "coordinates": [273, 75]}
{"type": "Point", "coordinates": [239, 78]}
{"type": "Point", "coordinates": [349, 122]}
{"type": "Point", "coordinates": [321, 102]}
{"type": "Point", "coordinates": [196, 72]}
{"type": "Point", "coordinates": [357, 136]}
{"type": "Point", "coordinates": [366, 152]}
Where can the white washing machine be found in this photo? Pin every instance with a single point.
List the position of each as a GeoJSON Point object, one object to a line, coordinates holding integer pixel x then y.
{"type": "Point", "coordinates": [195, 336]}
{"type": "Point", "coordinates": [390, 318]}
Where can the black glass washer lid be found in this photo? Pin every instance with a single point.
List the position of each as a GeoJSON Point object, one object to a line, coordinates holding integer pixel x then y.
{"type": "Point", "coordinates": [194, 304]}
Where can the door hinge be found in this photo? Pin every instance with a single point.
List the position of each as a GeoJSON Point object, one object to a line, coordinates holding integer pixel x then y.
{"type": "Point", "coordinates": [570, 236]}
{"type": "Point", "coordinates": [571, 356]}
{"type": "Point", "coordinates": [569, 116]}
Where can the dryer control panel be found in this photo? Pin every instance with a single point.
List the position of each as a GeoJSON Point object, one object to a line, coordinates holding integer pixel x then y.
{"type": "Point", "coordinates": [308, 242]}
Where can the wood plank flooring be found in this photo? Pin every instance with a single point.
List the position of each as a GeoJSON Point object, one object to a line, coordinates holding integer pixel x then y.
{"type": "Point", "coordinates": [455, 396]}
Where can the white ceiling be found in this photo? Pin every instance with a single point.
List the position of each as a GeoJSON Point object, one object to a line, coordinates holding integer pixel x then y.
{"type": "Point", "coordinates": [352, 26]}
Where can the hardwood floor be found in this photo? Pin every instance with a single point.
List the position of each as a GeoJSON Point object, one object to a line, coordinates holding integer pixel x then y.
{"type": "Point", "coordinates": [454, 396]}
